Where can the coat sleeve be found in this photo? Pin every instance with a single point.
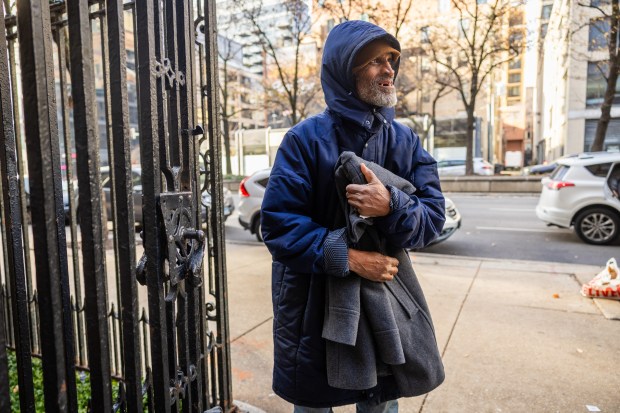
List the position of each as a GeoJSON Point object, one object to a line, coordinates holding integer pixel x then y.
{"type": "Point", "coordinates": [289, 232]}
{"type": "Point", "coordinates": [418, 219]}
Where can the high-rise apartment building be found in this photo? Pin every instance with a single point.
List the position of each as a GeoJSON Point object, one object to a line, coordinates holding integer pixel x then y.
{"type": "Point", "coordinates": [274, 19]}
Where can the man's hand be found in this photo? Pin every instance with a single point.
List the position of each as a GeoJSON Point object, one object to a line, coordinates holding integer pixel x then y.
{"type": "Point", "coordinates": [372, 265]}
{"type": "Point", "coordinates": [372, 199]}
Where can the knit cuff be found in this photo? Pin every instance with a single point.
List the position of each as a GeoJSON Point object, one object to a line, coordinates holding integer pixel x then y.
{"type": "Point", "coordinates": [336, 253]}
{"type": "Point", "coordinates": [394, 198]}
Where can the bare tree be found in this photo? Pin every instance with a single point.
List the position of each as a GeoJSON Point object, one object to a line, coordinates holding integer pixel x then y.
{"type": "Point", "coordinates": [309, 89]}
{"type": "Point", "coordinates": [468, 54]}
{"type": "Point", "coordinates": [392, 16]}
{"type": "Point", "coordinates": [285, 52]}
{"type": "Point", "coordinates": [608, 25]}
{"type": "Point", "coordinates": [423, 82]}
{"type": "Point", "coordinates": [227, 80]}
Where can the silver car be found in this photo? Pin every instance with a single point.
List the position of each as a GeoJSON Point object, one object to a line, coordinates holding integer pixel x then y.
{"type": "Point", "coordinates": [136, 177]}
{"type": "Point", "coordinates": [252, 191]}
{"type": "Point", "coordinates": [456, 167]}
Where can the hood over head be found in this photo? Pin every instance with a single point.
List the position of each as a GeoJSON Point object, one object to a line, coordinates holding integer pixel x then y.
{"type": "Point", "coordinates": [343, 44]}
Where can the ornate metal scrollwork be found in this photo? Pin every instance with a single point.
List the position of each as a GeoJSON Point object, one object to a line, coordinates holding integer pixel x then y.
{"type": "Point", "coordinates": [165, 69]}
{"type": "Point", "coordinates": [185, 243]}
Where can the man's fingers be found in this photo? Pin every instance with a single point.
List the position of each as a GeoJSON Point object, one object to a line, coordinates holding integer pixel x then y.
{"type": "Point", "coordinates": [369, 175]}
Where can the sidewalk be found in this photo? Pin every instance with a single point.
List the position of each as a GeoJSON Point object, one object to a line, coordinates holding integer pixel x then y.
{"type": "Point", "coordinates": [509, 345]}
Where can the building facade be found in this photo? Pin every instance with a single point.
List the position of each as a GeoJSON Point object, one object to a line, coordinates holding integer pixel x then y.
{"type": "Point", "coordinates": [571, 87]}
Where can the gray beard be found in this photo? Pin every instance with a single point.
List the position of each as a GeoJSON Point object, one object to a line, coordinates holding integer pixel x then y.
{"type": "Point", "coordinates": [377, 98]}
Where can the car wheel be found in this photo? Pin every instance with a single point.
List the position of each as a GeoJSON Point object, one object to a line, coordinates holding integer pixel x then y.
{"type": "Point", "coordinates": [256, 229]}
{"type": "Point", "coordinates": [597, 226]}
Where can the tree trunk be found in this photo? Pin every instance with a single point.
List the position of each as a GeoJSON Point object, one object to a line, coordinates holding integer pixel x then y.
{"type": "Point", "coordinates": [612, 79]}
{"type": "Point", "coordinates": [469, 148]}
{"type": "Point", "coordinates": [610, 92]}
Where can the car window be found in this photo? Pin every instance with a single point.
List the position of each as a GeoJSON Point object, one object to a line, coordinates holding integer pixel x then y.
{"type": "Point", "coordinates": [559, 172]}
{"type": "Point", "coordinates": [263, 182]}
{"type": "Point", "coordinates": [457, 163]}
{"type": "Point", "coordinates": [442, 164]}
{"type": "Point", "coordinates": [601, 169]}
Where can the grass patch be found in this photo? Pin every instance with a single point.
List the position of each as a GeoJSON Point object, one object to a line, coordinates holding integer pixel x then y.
{"type": "Point", "coordinates": [82, 380]}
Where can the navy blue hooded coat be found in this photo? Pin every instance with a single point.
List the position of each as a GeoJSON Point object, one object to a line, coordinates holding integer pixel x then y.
{"type": "Point", "coordinates": [301, 203]}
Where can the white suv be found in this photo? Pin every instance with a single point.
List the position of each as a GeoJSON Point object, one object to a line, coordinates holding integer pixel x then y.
{"type": "Point", "coordinates": [580, 193]}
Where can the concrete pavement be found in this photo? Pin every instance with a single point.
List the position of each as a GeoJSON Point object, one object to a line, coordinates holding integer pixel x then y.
{"type": "Point", "coordinates": [516, 336]}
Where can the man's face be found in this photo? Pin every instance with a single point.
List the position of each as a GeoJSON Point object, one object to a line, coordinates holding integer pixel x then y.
{"type": "Point", "coordinates": [375, 81]}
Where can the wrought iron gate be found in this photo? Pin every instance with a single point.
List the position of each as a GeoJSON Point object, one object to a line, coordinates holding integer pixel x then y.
{"type": "Point", "coordinates": [102, 107]}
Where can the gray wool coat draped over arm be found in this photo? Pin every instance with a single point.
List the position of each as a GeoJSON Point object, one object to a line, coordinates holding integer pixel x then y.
{"type": "Point", "coordinates": [374, 328]}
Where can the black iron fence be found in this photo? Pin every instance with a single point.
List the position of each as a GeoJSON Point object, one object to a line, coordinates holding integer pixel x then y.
{"type": "Point", "coordinates": [113, 260]}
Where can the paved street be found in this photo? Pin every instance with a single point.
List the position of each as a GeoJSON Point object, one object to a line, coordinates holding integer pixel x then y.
{"type": "Point", "coordinates": [497, 226]}
{"type": "Point", "coordinates": [506, 226]}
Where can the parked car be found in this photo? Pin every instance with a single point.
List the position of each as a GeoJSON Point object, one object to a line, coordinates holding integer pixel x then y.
{"type": "Point", "coordinates": [252, 191]}
{"type": "Point", "coordinates": [136, 176]}
{"type": "Point", "coordinates": [578, 194]}
{"type": "Point", "coordinates": [65, 195]}
{"type": "Point", "coordinates": [456, 167]}
{"type": "Point", "coordinates": [540, 169]}
{"type": "Point", "coordinates": [453, 222]}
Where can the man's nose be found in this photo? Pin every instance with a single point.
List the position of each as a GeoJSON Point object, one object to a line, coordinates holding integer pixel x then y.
{"type": "Point", "coordinates": [387, 68]}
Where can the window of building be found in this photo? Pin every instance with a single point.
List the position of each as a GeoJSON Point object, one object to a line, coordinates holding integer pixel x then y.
{"type": "Point", "coordinates": [514, 78]}
{"type": "Point", "coordinates": [443, 5]}
{"type": "Point", "coordinates": [516, 39]}
{"type": "Point", "coordinates": [599, 3]}
{"type": "Point", "coordinates": [424, 35]}
{"type": "Point", "coordinates": [425, 65]}
{"type": "Point", "coordinates": [598, 33]}
{"type": "Point", "coordinates": [612, 138]}
{"type": "Point", "coordinates": [463, 59]}
{"type": "Point", "coordinates": [543, 30]}
{"type": "Point", "coordinates": [515, 63]}
{"type": "Point", "coordinates": [545, 12]}
{"type": "Point", "coordinates": [481, 1]}
{"type": "Point", "coordinates": [330, 25]}
{"type": "Point", "coordinates": [514, 91]}
{"type": "Point", "coordinates": [463, 27]}
{"type": "Point", "coordinates": [515, 19]}
{"type": "Point", "coordinates": [596, 84]}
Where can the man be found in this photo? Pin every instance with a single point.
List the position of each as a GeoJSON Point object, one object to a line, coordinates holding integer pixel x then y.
{"type": "Point", "coordinates": [360, 62]}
